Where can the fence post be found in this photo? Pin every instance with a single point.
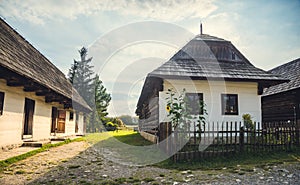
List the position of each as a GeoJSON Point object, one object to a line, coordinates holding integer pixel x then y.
{"type": "Point", "coordinates": [297, 133]}
{"type": "Point", "coordinates": [242, 133]}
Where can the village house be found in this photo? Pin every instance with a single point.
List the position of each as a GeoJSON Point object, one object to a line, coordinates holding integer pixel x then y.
{"type": "Point", "coordinates": [211, 70]}
{"type": "Point", "coordinates": [37, 101]}
{"type": "Point", "coordinates": [282, 102]}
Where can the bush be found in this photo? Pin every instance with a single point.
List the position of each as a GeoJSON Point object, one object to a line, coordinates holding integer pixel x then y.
{"type": "Point", "coordinates": [248, 121]}
{"type": "Point", "coordinates": [110, 126]}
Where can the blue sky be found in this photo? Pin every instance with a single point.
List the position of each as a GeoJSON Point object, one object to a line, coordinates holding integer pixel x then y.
{"type": "Point", "coordinates": [266, 32]}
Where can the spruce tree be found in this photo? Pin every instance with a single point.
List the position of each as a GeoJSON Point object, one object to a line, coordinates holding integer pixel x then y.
{"type": "Point", "coordinates": [81, 76]}
{"type": "Point", "coordinates": [91, 89]}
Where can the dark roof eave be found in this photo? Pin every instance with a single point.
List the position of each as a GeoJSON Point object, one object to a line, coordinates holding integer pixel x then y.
{"type": "Point", "coordinates": [267, 81]}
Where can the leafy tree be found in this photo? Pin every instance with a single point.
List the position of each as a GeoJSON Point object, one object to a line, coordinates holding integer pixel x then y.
{"type": "Point", "coordinates": [114, 120]}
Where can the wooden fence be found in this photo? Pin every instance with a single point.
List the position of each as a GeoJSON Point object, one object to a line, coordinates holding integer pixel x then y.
{"type": "Point", "coordinates": [226, 138]}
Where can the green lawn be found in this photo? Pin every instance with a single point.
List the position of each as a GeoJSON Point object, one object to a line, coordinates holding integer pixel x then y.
{"type": "Point", "coordinates": [246, 161]}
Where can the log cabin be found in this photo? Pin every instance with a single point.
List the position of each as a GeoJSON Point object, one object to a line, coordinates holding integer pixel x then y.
{"type": "Point", "coordinates": [212, 70]}
{"type": "Point", "coordinates": [37, 101]}
{"type": "Point", "coordinates": [282, 102]}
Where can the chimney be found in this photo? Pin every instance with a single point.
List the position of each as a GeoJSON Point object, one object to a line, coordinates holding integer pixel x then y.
{"type": "Point", "coordinates": [201, 29]}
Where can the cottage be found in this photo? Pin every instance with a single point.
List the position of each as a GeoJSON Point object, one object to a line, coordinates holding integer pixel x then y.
{"type": "Point", "coordinates": [282, 102]}
{"type": "Point", "coordinates": [37, 102]}
{"type": "Point", "coordinates": [211, 69]}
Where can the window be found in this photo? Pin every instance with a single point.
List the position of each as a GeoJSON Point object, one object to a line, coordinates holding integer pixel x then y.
{"type": "Point", "coordinates": [1, 102]}
{"type": "Point", "coordinates": [194, 102]}
{"type": "Point", "coordinates": [71, 116]}
{"type": "Point", "coordinates": [229, 104]}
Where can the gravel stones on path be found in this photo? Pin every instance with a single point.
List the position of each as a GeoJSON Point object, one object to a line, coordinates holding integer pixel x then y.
{"type": "Point", "coordinates": [76, 163]}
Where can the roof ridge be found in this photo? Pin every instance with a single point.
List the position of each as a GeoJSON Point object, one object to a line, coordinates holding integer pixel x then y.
{"type": "Point", "coordinates": [285, 64]}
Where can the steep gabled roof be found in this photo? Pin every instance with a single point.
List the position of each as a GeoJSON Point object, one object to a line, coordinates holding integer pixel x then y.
{"type": "Point", "coordinates": [19, 57]}
{"type": "Point", "coordinates": [206, 56]}
{"type": "Point", "coordinates": [290, 70]}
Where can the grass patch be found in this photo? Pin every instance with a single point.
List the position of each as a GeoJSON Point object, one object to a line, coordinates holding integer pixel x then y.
{"type": "Point", "coordinates": [7, 162]}
{"type": "Point", "coordinates": [129, 137]}
{"type": "Point", "coordinates": [124, 144]}
{"type": "Point", "coordinates": [132, 138]}
{"type": "Point", "coordinates": [147, 179]}
{"type": "Point", "coordinates": [239, 163]}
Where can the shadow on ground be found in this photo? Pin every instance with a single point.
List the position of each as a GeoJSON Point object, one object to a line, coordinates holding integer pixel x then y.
{"type": "Point", "coordinates": [110, 161]}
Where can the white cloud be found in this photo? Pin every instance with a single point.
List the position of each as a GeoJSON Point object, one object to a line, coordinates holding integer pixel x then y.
{"type": "Point", "coordinates": [165, 10]}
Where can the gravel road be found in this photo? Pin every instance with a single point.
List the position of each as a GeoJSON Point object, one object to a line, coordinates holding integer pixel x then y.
{"type": "Point", "coordinates": [77, 163]}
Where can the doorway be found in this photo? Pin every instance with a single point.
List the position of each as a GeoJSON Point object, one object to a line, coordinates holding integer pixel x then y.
{"type": "Point", "coordinates": [54, 116]}
{"type": "Point", "coordinates": [61, 121]}
{"type": "Point", "coordinates": [28, 117]}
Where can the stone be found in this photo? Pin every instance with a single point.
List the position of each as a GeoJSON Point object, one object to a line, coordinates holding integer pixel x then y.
{"type": "Point", "coordinates": [190, 176]}
{"type": "Point", "coordinates": [283, 170]}
{"type": "Point", "coordinates": [290, 175]}
{"type": "Point", "coordinates": [238, 180]}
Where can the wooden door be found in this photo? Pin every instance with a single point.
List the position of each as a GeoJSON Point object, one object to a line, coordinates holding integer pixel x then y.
{"type": "Point", "coordinates": [28, 116]}
{"type": "Point", "coordinates": [76, 122]}
{"type": "Point", "coordinates": [54, 119]}
{"type": "Point", "coordinates": [61, 122]}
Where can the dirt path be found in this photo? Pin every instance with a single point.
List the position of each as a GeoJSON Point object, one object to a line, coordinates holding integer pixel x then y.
{"type": "Point", "coordinates": [36, 166]}
{"type": "Point", "coordinates": [76, 163]}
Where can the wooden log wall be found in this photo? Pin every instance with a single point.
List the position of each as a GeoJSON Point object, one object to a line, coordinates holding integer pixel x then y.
{"type": "Point", "coordinates": [281, 107]}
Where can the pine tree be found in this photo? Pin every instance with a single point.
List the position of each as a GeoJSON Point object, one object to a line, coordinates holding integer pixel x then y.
{"type": "Point", "coordinates": [102, 98]}
{"type": "Point", "coordinates": [91, 89]}
{"type": "Point", "coordinates": [80, 75]}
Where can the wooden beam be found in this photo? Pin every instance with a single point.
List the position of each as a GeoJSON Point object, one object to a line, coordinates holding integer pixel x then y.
{"type": "Point", "coordinates": [53, 98]}
{"type": "Point", "coordinates": [30, 87]}
{"type": "Point", "coordinates": [14, 82]}
{"type": "Point", "coordinates": [42, 92]}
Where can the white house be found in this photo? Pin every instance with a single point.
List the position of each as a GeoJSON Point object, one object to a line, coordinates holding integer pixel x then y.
{"type": "Point", "coordinates": [212, 70]}
{"type": "Point", "coordinates": [37, 102]}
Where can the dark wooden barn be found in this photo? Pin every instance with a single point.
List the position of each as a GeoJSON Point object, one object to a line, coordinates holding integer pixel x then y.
{"type": "Point", "coordinates": [282, 102]}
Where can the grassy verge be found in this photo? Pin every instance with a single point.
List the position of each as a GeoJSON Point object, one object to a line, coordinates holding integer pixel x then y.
{"type": "Point", "coordinates": [129, 137]}
{"type": "Point", "coordinates": [9, 161]}
{"type": "Point", "coordinates": [246, 160]}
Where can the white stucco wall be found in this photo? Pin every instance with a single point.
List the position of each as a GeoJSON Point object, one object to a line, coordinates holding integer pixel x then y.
{"type": "Point", "coordinates": [12, 118]}
{"type": "Point", "coordinates": [81, 130]}
{"type": "Point", "coordinates": [70, 124]}
{"type": "Point", "coordinates": [41, 120]}
{"type": "Point", "coordinates": [11, 122]}
{"type": "Point", "coordinates": [248, 99]}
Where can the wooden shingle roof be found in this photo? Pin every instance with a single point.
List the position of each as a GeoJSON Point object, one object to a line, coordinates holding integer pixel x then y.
{"type": "Point", "coordinates": [290, 70]}
{"type": "Point", "coordinates": [206, 56]}
{"type": "Point", "coordinates": [19, 57]}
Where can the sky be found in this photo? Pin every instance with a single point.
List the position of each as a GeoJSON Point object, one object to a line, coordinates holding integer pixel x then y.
{"type": "Point", "coordinates": [129, 38]}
